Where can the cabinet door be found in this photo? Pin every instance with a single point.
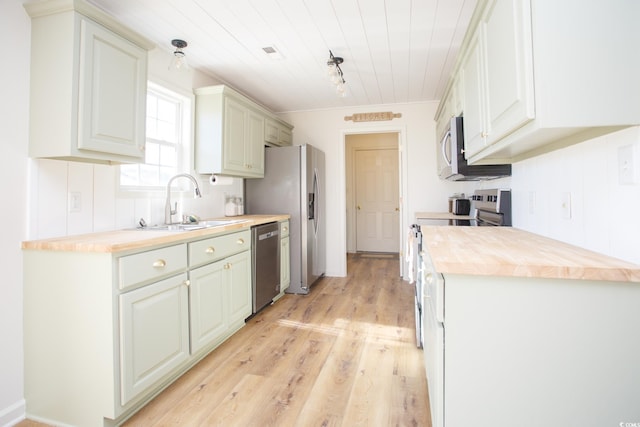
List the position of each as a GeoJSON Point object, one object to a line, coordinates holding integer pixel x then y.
{"type": "Point", "coordinates": [207, 304]}
{"type": "Point", "coordinates": [270, 131]}
{"type": "Point", "coordinates": [238, 269]}
{"type": "Point", "coordinates": [475, 129]}
{"type": "Point", "coordinates": [509, 67]}
{"type": "Point", "coordinates": [254, 148]}
{"type": "Point", "coordinates": [285, 137]}
{"type": "Point", "coordinates": [234, 136]}
{"type": "Point", "coordinates": [285, 264]}
{"type": "Point", "coordinates": [154, 334]}
{"type": "Point", "coordinates": [112, 93]}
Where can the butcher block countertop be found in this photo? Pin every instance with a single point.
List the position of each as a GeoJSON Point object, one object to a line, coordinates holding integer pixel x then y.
{"type": "Point", "coordinates": [507, 251]}
{"type": "Point", "coordinates": [124, 240]}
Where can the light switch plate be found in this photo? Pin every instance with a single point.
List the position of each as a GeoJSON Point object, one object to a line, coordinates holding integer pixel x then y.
{"type": "Point", "coordinates": [75, 201]}
{"type": "Point", "coordinates": [627, 169]}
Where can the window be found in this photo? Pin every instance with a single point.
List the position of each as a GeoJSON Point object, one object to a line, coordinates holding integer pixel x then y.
{"type": "Point", "coordinates": [167, 129]}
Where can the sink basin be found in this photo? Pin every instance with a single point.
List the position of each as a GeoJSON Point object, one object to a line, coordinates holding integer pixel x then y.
{"type": "Point", "coordinates": [192, 225]}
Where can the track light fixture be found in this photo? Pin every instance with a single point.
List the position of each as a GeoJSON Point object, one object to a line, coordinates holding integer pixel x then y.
{"type": "Point", "coordinates": [335, 73]}
{"type": "Point", "coordinates": [179, 60]}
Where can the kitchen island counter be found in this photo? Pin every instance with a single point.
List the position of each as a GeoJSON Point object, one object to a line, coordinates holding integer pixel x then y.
{"type": "Point", "coordinates": [507, 251]}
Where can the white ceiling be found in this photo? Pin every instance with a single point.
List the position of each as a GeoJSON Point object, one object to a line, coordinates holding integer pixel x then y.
{"type": "Point", "coordinates": [394, 50]}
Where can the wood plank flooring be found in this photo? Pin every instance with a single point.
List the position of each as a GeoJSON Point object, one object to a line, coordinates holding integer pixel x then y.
{"type": "Point", "coordinates": [344, 355]}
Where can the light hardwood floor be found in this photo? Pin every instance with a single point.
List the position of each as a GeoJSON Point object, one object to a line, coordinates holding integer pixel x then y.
{"type": "Point", "coordinates": [344, 355]}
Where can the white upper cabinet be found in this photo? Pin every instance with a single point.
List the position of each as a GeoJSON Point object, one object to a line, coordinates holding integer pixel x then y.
{"type": "Point", "coordinates": [229, 133]}
{"type": "Point", "coordinates": [538, 75]}
{"type": "Point", "coordinates": [498, 74]}
{"type": "Point", "coordinates": [88, 85]}
{"type": "Point", "coordinates": [277, 132]}
{"type": "Point", "coordinates": [232, 131]}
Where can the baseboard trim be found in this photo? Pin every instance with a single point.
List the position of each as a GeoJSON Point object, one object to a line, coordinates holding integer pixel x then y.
{"type": "Point", "coordinates": [13, 414]}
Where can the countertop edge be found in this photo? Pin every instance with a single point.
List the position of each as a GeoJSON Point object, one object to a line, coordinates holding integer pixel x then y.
{"type": "Point", "coordinates": [115, 241]}
{"type": "Point", "coordinates": [511, 252]}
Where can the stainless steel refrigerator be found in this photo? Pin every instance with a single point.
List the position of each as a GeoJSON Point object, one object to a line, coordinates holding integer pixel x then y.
{"type": "Point", "coordinates": [293, 183]}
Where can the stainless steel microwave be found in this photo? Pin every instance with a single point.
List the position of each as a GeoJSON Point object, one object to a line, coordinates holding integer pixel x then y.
{"type": "Point", "coordinates": [452, 165]}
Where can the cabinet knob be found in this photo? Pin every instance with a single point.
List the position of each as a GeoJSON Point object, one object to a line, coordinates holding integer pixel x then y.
{"type": "Point", "coordinates": [484, 134]}
{"type": "Point", "coordinates": [240, 241]}
{"type": "Point", "coordinates": [159, 263]}
{"type": "Point", "coordinates": [187, 283]}
{"type": "Point", "coordinates": [210, 250]}
{"type": "Point", "coordinates": [227, 266]}
{"type": "Point", "coordinates": [285, 228]}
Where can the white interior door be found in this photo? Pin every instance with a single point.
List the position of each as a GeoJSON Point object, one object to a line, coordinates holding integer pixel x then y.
{"type": "Point", "coordinates": [377, 200]}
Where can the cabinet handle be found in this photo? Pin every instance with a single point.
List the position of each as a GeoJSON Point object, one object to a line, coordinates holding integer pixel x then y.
{"type": "Point", "coordinates": [240, 241]}
{"type": "Point", "coordinates": [429, 278]}
{"type": "Point", "coordinates": [227, 266]}
{"type": "Point", "coordinates": [209, 250]}
{"type": "Point", "coordinates": [484, 134]}
{"type": "Point", "coordinates": [160, 263]}
{"type": "Point", "coordinates": [285, 228]}
{"type": "Point", "coordinates": [187, 283]}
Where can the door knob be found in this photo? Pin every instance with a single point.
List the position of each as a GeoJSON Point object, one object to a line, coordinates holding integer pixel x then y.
{"type": "Point", "coordinates": [358, 207]}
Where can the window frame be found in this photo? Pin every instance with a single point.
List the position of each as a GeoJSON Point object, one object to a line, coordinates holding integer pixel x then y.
{"type": "Point", "coordinates": [185, 150]}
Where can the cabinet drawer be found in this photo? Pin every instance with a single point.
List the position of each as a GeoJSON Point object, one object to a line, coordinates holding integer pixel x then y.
{"type": "Point", "coordinates": [284, 229]}
{"type": "Point", "coordinates": [151, 265]}
{"type": "Point", "coordinates": [215, 248]}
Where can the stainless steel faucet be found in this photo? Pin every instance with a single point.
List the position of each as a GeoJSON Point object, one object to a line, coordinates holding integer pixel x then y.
{"type": "Point", "coordinates": [168, 212]}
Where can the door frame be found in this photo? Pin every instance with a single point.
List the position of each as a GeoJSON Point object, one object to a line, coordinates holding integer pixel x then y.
{"type": "Point", "coordinates": [348, 216]}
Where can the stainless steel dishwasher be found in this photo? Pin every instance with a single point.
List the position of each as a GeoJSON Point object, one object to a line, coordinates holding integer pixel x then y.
{"type": "Point", "coordinates": [265, 264]}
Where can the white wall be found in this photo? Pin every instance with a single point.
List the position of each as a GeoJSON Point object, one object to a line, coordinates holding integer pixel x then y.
{"type": "Point", "coordinates": [14, 27]}
{"type": "Point", "coordinates": [604, 213]}
{"type": "Point", "coordinates": [423, 191]}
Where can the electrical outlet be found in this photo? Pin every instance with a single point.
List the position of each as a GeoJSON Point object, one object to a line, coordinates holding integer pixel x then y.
{"type": "Point", "coordinates": [566, 205]}
{"type": "Point", "coordinates": [75, 201]}
{"type": "Point", "coordinates": [626, 165]}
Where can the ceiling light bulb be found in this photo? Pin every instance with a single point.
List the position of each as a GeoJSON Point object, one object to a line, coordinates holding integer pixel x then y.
{"type": "Point", "coordinates": [179, 60]}
{"type": "Point", "coordinates": [341, 90]}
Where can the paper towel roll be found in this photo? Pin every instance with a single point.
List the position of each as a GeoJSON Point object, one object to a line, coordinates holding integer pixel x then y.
{"type": "Point", "coordinates": [220, 180]}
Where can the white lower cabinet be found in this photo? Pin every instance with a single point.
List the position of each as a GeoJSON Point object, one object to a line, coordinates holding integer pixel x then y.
{"type": "Point", "coordinates": [206, 300]}
{"type": "Point", "coordinates": [104, 332]}
{"type": "Point", "coordinates": [285, 256]}
{"type": "Point", "coordinates": [219, 299]}
{"type": "Point", "coordinates": [154, 334]}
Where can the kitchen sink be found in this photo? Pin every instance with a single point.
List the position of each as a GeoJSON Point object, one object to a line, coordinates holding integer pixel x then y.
{"type": "Point", "coordinates": [192, 225]}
